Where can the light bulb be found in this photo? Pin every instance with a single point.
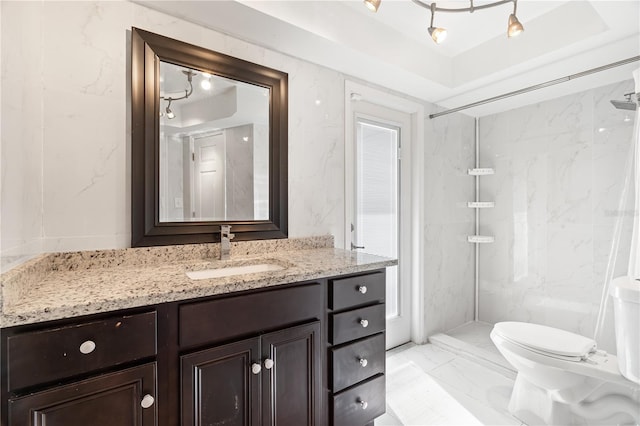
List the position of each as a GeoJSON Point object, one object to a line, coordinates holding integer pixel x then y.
{"type": "Point", "coordinates": [437, 34]}
{"type": "Point", "coordinates": [206, 84]}
{"type": "Point", "coordinates": [514, 27]}
{"type": "Point", "coordinates": [373, 5]}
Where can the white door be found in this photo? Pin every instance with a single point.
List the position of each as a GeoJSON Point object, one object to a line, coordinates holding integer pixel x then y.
{"type": "Point", "coordinates": [209, 178]}
{"type": "Point", "coordinates": [381, 205]}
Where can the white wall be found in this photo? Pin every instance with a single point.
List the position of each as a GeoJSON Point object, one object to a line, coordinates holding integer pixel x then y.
{"type": "Point", "coordinates": [560, 168]}
{"type": "Point", "coordinates": [65, 116]}
{"type": "Point", "coordinates": [448, 257]}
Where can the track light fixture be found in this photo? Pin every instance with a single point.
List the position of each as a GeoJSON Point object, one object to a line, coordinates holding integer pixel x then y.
{"type": "Point", "coordinates": [438, 34]}
{"type": "Point", "coordinates": [187, 92]}
{"type": "Point", "coordinates": [514, 27]}
{"type": "Point", "coordinates": [373, 5]}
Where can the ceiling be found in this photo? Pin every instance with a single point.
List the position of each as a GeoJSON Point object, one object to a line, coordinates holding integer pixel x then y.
{"type": "Point", "coordinates": [392, 48]}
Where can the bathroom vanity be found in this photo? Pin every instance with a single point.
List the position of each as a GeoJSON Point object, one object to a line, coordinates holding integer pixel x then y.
{"type": "Point", "coordinates": [300, 345]}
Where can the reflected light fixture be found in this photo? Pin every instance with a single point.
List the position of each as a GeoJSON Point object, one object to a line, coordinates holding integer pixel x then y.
{"type": "Point", "coordinates": [206, 81]}
{"type": "Point", "coordinates": [187, 92]}
{"type": "Point", "coordinates": [170, 113]}
{"type": "Point", "coordinates": [439, 34]}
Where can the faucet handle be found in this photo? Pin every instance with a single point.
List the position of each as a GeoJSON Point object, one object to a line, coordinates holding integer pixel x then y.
{"type": "Point", "coordinates": [225, 230]}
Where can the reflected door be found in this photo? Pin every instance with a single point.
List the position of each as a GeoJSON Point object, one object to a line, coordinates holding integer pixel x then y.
{"type": "Point", "coordinates": [209, 178]}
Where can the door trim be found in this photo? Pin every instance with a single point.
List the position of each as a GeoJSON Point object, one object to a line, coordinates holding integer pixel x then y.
{"type": "Point", "coordinates": [355, 92]}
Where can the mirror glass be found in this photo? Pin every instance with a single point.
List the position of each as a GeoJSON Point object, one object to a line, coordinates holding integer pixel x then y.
{"type": "Point", "coordinates": [213, 146]}
{"type": "Point", "coordinates": [209, 138]}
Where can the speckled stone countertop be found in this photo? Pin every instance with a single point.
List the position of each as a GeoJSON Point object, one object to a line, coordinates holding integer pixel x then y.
{"type": "Point", "coordinates": [64, 285]}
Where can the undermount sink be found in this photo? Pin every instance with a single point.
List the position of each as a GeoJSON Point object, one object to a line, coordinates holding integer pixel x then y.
{"type": "Point", "coordinates": [234, 270]}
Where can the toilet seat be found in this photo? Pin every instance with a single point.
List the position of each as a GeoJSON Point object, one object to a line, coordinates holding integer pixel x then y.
{"type": "Point", "coordinates": [547, 341]}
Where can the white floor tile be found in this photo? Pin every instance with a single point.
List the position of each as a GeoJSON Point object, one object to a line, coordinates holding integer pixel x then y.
{"type": "Point", "coordinates": [427, 385]}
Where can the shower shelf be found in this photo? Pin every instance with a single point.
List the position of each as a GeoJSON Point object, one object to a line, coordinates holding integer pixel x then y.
{"type": "Point", "coordinates": [481, 204]}
{"type": "Point", "coordinates": [480, 239]}
{"type": "Point", "coordinates": [481, 171]}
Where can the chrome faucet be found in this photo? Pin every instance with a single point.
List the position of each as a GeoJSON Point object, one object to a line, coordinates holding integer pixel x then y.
{"type": "Point", "coordinates": [225, 242]}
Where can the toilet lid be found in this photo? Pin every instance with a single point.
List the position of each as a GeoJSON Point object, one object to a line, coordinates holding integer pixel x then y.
{"type": "Point", "coordinates": [546, 339]}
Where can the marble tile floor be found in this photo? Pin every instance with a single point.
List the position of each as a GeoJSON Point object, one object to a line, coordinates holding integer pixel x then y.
{"type": "Point", "coordinates": [427, 385]}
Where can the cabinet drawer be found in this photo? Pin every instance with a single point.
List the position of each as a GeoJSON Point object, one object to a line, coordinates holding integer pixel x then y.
{"type": "Point", "coordinates": [357, 361]}
{"type": "Point", "coordinates": [232, 317]}
{"type": "Point", "coordinates": [44, 356]}
{"type": "Point", "coordinates": [358, 290]}
{"type": "Point", "coordinates": [361, 404]}
{"type": "Point", "coordinates": [347, 325]}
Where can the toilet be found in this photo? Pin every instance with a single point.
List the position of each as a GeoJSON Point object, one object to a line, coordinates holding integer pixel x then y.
{"type": "Point", "coordinates": [563, 379]}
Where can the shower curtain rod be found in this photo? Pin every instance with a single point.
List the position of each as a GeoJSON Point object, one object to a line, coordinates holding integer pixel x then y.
{"type": "Point", "coordinates": [538, 86]}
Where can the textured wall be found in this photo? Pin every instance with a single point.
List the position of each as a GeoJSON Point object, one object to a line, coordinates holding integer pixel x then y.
{"type": "Point", "coordinates": [560, 168]}
{"type": "Point", "coordinates": [65, 115]}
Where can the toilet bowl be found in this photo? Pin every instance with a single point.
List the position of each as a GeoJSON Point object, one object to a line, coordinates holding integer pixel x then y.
{"type": "Point", "coordinates": [563, 379]}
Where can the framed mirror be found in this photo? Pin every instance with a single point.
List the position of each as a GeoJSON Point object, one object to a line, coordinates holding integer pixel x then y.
{"type": "Point", "coordinates": [209, 144]}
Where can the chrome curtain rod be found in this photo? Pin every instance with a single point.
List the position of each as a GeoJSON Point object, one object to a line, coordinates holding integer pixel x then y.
{"type": "Point", "coordinates": [538, 86]}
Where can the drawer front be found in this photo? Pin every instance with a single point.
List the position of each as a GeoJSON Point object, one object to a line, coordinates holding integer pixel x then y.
{"type": "Point", "coordinates": [361, 404]}
{"type": "Point", "coordinates": [357, 361]}
{"type": "Point", "coordinates": [356, 291]}
{"type": "Point", "coordinates": [44, 356]}
{"type": "Point", "coordinates": [349, 325]}
{"type": "Point", "coordinates": [231, 317]}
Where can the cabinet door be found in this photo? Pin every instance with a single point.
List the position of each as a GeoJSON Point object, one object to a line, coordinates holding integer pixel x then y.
{"type": "Point", "coordinates": [107, 400]}
{"type": "Point", "coordinates": [219, 386]}
{"type": "Point", "coordinates": [291, 383]}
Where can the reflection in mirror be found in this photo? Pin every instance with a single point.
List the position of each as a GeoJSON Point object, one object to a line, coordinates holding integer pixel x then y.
{"type": "Point", "coordinates": [208, 144]}
{"type": "Point", "coordinates": [214, 147]}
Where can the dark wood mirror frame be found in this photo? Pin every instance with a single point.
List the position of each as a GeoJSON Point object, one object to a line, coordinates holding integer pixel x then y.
{"type": "Point", "coordinates": [147, 50]}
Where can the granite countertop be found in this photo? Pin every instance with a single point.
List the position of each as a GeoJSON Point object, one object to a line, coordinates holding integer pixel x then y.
{"type": "Point", "coordinates": [64, 285]}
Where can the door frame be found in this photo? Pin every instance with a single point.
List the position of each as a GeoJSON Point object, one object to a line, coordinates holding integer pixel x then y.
{"type": "Point", "coordinates": [355, 92]}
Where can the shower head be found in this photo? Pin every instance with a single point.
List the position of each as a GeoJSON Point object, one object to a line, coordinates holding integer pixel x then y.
{"type": "Point", "coordinates": [628, 104]}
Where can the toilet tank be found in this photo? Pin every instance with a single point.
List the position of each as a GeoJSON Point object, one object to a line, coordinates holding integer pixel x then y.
{"type": "Point", "coordinates": [625, 292]}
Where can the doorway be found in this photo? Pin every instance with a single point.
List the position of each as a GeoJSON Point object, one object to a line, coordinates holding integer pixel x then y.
{"type": "Point", "coordinates": [380, 175]}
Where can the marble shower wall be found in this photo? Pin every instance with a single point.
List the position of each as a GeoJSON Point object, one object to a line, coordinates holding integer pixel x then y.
{"type": "Point", "coordinates": [560, 168]}
{"type": "Point", "coordinates": [65, 115]}
{"type": "Point", "coordinates": [449, 258]}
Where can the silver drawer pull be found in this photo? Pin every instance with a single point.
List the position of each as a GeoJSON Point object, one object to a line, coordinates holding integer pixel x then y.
{"type": "Point", "coordinates": [363, 362]}
{"type": "Point", "coordinates": [255, 368]}
{"type": "Point", "coordinates": [87, 347]}
{"type": "Point", "coordinates": [364, 323]}
{"type": "Point", "coordinates": [362, 289]}
{"type": "Point", "coordinates": [147, 401]}
{"type": "Point", "coordinates": [268, 363]}
{"type": "Point", "coordinates": [363, 404]}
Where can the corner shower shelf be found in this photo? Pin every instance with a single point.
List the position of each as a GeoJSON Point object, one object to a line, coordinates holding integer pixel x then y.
{"type": "Point", "coordinates": [481, 171]}
{"type": "Point", "coordinates": [481, 204]}
{"type": "Point", "coordinates": [480, 239]}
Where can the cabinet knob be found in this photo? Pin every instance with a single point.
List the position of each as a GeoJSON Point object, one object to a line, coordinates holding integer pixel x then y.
{"type": "Point", "coordinates": [147, 401]}
{"type": "Point", "coordinates": [255, 368]}
{"type": "Point", "coordinates": [87, 347]}
{"type": "Point", "coordinates": [364, 323]}
{"type": "Point", "coordinates": [362, 289]}
{"type": "Point", "coordinates": [363, 362]}
{"type": "Point", "coordinates": [363, 404]}
{"type": "Point", "coordinates": [268, 363]}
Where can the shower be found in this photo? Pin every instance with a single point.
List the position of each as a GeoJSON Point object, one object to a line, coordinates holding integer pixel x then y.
{"type": "Point", "coordinates": [628, 104]}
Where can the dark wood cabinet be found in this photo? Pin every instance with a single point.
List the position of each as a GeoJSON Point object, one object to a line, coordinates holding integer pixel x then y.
{"type": "Point", "coordinates": [282, 356]}
{"type": "Point", "coordinates": [270, 380]}
{"type": "Point", "coordinates": [219, 386]}
{"type": "Point", "coordinates": [291, 376]}
{"type": "Point", "coordinates": [124, 398]}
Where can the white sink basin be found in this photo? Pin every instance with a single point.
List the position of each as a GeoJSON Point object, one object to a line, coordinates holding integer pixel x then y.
{"type": "Point", "coordinates": [235, 270]}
